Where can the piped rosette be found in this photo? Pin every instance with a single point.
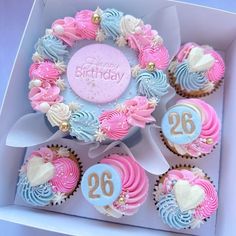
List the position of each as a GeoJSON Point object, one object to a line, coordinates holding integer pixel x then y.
{"type": "Point", "coordinates": [128, 181]}
{"type": "Point", "coordinates": [197, 132]}
{"type": "Point", "coordinates": [185, 197]}
{"type": "Point", "coordinates": [49, 176]}
{"type": "Point", "coordinates": [196, 71]}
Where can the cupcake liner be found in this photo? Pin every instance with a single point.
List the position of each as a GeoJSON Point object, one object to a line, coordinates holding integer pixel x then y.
{"type": "Point", "coordinates": [74, 157]}
{"type": "Point", "coordinates": [186, 156]}
{"type": "Point", "coordinates": [192, 94]}
{"type": "Point", "coordinates": [180, 166]}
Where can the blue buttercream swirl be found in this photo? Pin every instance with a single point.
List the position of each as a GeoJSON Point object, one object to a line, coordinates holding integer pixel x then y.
{"type": "Point", "coordinates": [83, 125]}
{"type": "Point", "coordinates": [171, 213]}
{"type": "Point", "coordinates": [40, 195]}
{"type": "Point", "coordinates": [152, 84]}
{"type": "Point", "coordinates": [190, 81]}
{"type": "Point", "coordinates": [51, 48]}
{"type": "Point", "coordinates": [110, 22]}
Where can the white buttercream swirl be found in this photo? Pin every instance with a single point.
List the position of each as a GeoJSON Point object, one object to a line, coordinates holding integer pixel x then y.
{"type": "Point", "coordinates": [130, 24]}
{"type": "Point", "coordinates": [58, 113]}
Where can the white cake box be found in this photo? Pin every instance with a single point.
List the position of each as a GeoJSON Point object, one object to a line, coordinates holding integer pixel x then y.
{"type": "Point", "coordinates": [203, 25]}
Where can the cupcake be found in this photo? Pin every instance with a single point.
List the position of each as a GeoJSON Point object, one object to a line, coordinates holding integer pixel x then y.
{"type": "Point", "coordinates": [49, 176]}
{"type": "Point", "coordinates": [185, 197]}
{"type": "Point", "coordinates": [117, 186]}
{"type": "Point", "coordinates": [191, 128]}
{"type": "Point", "coordinates": [196, 71]}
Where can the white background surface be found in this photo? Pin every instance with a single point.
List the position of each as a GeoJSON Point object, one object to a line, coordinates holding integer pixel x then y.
{"type": "Point", "coordinates": [13, 17]}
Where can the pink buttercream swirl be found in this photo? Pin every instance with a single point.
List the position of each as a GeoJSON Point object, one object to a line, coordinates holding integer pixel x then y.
{"type": "Point", "coordinates": [142, 38]}
{"type": "Point", "coordinates": [185, 50]}
{"type": "Point", "coordinates": [210, 128]}
{"type": "Point", "coordinates": [46, 153]}
{"type": "Point", "coordinates": [135, 183]}
{"type": "Point", "coordinates": [158, 55]}
{"type": "Point", "coordinates": [216, 72]}
{"type": "Point", "coordinates": [86, 29]}
{"type": "Point", "coordinates": [48, 93]}
{"type": "Point", "coordinates": [66, 30]}
{"type": "Point", "coordinates": [210, 203]}
{"type": "Point", "coordinates": [138, 111]}
{"type": "Point", "coordinates": [44, 71]}
{"type": "Point", "coordinates": [66, 176]}
{"type": "Point", "coordinates": [114, 124]}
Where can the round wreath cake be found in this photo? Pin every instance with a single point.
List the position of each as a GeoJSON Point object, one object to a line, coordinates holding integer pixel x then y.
{"type": "Point", "coordinates": [98, 74]}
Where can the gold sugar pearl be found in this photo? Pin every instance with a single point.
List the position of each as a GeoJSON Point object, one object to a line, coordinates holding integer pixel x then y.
{"type": "Point", "coordinates": [96, 19]}
{"type": "Point", "coordinates": [209, 141]}
{"type": "Point", "coordinates": [151, 66]}
{"type": "Point", "coordinates": [64, 126]}
{"type": "Point", "coordinates": [121, 200]}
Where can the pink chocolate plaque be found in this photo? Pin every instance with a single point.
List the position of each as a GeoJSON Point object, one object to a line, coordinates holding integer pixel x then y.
{"type": "Point", "coordinates": [98, 73]}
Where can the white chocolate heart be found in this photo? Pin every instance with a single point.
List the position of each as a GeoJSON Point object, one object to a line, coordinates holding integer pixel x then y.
{"type": "Point", "coordinates": [198, 61]}
{"type": "Point", "coordinates": [39, 172]}
{"type": "Point", "coordinates": [188, 197]}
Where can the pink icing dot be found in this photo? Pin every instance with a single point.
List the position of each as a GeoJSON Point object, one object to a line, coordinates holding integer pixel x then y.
{"type": "Point", "coordinates": [45, 71]}
{"type": "Point", "coordinates": [65, 29]}
{"type": "Point", "coordinates": [66, 176]}
{"type": "Point", "coordinates": [216, 72]}
{"type": "Point", "coordinates": [135, 183]}
{"type": "Point", "coordinates": [210, 202]}
{"type": "Point", "coordinates": [48, 93]}
{"type": "Point", "coordinates": [86, 29]}
{"type": "Point", "coordinates": [138, 111]}
{"type": "Point", "coordinates": [114, 124]}
{"type": "Point", "coordinates": [158, 55]}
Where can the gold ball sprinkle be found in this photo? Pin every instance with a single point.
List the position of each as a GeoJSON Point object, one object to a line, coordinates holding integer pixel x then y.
{"type": "Point", "coordinates": [64, 126]}
{"type": "Point", "coordinates": [151, 66]}
{"type": "Point", "coordinates": [209, 141]}
{"type": "Point", "coordinates": [96, 19]}
{"type": "Point", "coordinates": [121, 200]}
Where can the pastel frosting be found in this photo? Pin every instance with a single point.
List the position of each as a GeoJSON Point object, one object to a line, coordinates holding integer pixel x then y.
{"type": "Point", "coordinates": [135, 183]}
{"type": "Point", "coordinates": [210, 129]}
{"type": "Point", "coordinates": [51, 48]}
{"type": "Point", "coordinates": [66, 30]}
{"type": "Point", "coordinates": [168, 203]}
{"type": "Point", "coordinates": [110, 22]}
{"type": "Point", "coordinates": [40, 195]}
{"type": "Point", "coordinates": [83, 125]}
{"type": "Point", "coordinates": [152, 84]}
{"type": "Point", "coordinates": [66, 176]}
{"type": "Point", "coordinates": [189, 80]}
{"type": "Point", "coordinates": [86, 29]}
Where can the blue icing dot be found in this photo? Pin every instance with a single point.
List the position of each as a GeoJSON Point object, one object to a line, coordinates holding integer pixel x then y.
{"type": "Point", "coordinates": [171, 213]}
{"type": "Point", "coordinates": [107, 181]}
{"type": "Point", "coordinates": [51, 48]}
{"type": "Point", "coordinates": [83, 125]}
{"type": "Point", "coordinates": [40, 195]}
{"type": "Point", "coordinates": [152, 84]}
{"type": "Point", "coordinates": [181, 124]}
{"type": "Point", "coordinates": [187, 80]}
{"type": "Point", "coordinates": [110, 22]}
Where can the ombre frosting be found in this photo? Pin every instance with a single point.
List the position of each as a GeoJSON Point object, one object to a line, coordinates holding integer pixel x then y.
{"type": "Point", "coordinates": [210, 132]}
{"type": "Point", "coordinates": [83, 125]}
{"type": "Point", "coordinates": [51, 48]}
{"type": "Point", "coordinates": [195, 184]}
{"type": "Point", "coordinates": [110, 23]}
{"type": "Point", "coordinates": [135, 184]}
{"type": "Point", "coordinates": [152, 84]}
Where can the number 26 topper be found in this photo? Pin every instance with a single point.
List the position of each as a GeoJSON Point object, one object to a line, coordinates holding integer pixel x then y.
{"type": "Point", "coordinates": [181, 124]}
{"type": "Point", "coordinates": [101, 185]}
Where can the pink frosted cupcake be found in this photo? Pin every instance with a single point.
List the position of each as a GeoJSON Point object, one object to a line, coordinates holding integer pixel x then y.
{"type": "Point", "coordinates": [191, 128]}
{"type": "Point", "coordinates": [196, 71]}
{"type": "Point", "coordinates": [49, 176]}
{"type": "Point", "coordinates": [185, 197]}
{"type": "Point", "coordinates": [121, 186]}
